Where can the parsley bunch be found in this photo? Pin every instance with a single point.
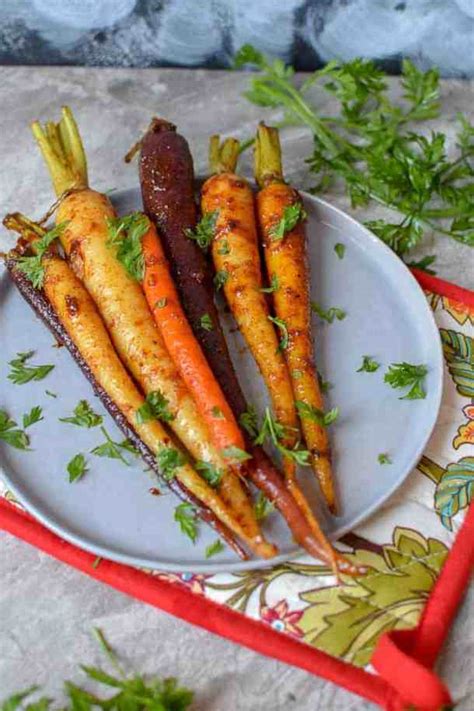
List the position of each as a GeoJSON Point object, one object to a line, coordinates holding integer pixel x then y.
{"type": "Point", "coordinates": [133, 693]}
{"type": "Point", "coordinates": [370, 144]}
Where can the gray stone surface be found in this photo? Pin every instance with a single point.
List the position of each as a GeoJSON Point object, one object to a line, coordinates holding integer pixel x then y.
{"type": "Point", "coordinates": [47, 610]}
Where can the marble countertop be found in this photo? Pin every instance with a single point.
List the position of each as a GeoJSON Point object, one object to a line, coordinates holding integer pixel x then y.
{"type": "Point", "coordinates": [47, 610]}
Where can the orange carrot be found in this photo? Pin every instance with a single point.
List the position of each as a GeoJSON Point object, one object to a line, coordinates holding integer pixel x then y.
{"type": "Point", "coordinates": [182, 346]}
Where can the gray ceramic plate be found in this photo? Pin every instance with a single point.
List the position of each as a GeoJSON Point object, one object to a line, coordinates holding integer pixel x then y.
{"type": "Point", "coordinates": [111, 512]}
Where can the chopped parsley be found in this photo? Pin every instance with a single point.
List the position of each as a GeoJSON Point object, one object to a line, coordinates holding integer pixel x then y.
{"type": "Point", "coordinates": [206, 322]}
{"type": "Point", "coordinates": [220, 279]}
{"type": "Point", "coordinates": [292, 214]}
{"type": "Point", "coordinates": [369, 365]}
{"type": "Point", "coordinates": [20, 373]}
{"type": "Point", "coordinates": [168, 460]}
{"type": "Point", "coordinates": [308, 412]}
{"type": "Point", "coordinates": [274, 286]}
{"type": "Point", "coordinates": [111, 449]}
{"type": "Point", "coordinates": [328, 314]}
{"type": "Point", "coordinates": [125, 235]}
{"type": "Point", "coordinates": [161, 303]}
{"type": "Point", "coordinates": [205, 229]}
{"type": "Point", "coordinates": [185, 516]}
{"type": "Point", "coordinates": [276, 432]}
{"type": "Point", "coordinates": [217, 413]}
{"type": "Point", "coordinates": [77, 467]}
{"type": "Point", "coordinates": [155, 407]}
{"type": "Point", "coordinates": [84, 416]}
{"type": "Point", "coordinates": [33, 267]}
{"type": "Point", "coordinates": [340, 249]}
{"type": "Point", "coordinates": [11, 434]}
{"type": "Point", "coordinates": [224, 248]}
{"type": "Point", "coordinates": [209, 472]}
{"type": "Point", "coordinates": [262, 507]}
{"type": "Point", "coordinates": [407, 375]}
{"type": "Point", "coordinates": [249, 421]}
{"type": "Point", "coordinates": [284, 339]}
{"type": "Point", "coordinates": [214, 548]}
{"type": "Point", "coordinates": [33, 416]}
{"type": "Point", "coordinates": [235, 454]}
{"type": "Point", "coordinates": [384, 458]}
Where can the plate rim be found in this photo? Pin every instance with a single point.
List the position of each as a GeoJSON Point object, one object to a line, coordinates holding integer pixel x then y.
{"type": "Point", "coordinates": [253, 564]}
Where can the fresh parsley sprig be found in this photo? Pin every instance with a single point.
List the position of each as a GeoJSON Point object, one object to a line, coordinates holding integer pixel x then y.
{"type": "Point", "coordinates": [125, 236]}
{"type": "Point", "coordinates": [209, 472]}
{"type": "Point", "coordinates": [262, 507]}
{"type": "Point", "coordinates": [407, 375]}
{"type": "Point", "coordinates": [205, 229]}
{"type": "Point", "coordinates": [33, 416]}
{"type": "Point", "coordinates": [214, 548]}
{"type": "Point", "coordinates": [20, 373]}
{"type": "Point", "coordinates": [112, 449]}
{"type": "Point", "coordinates": [77, 467]}
{"type": "Point", "coordinates": [249, 421]}
{"type": "Point", "coordinates": [84, 416]}
{"type": "Point", "coordinates": [371, 145]}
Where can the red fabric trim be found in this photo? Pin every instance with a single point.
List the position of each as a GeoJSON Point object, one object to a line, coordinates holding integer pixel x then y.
{"type": "Point", "coordinates": [444, 288]}
{"type": "Point", "coordinates": [196, 609]}
{"type": "Point", "coordinates": [402, 658]}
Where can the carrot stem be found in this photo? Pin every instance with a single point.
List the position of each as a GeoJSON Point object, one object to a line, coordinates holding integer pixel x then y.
{"type": "Point", "coordinates": [267, 156]}
{"type": "Point", "coordinates": [223, 156]}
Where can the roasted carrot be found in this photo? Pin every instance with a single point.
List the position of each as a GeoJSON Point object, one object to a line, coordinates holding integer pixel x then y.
{"type": "Point", "coordinates": [281, 220]}
{"type": "Point", "coordinates": [119, 298]}
{"type": "Point", "coordinates": [238, 270]}
{"type": "Point", "coordinates": [168, 188]}
{"type": "Point", "coordinates": [76, 314]}
{"type": "Point", "coordinates": [188, 357]}
{"type": "Point", "coordinates": [185, 351]}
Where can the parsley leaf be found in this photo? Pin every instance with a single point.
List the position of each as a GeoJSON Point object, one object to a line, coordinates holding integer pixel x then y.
{"type": "Point", "coordinates": [249, 420]}
{"type": "Point", "coordinates": [220, 279]}
{"type": "Point", "coordinates": [235, 454]}
{"type": "Point", "coordinates": [161, 303]}
{"type": "Point", "coordinates": [276, 432]}
{"type": "Point", "coordinates": [21, 373]}
{"type": "Point", "coordinates": [384, 458]}
{"type": "Point", "coordinates": [308, 412]}
{"type": "Point", "coordinates": [214, 548]}
{"type": "Point", "coordinates": [340, 250]}
{"type": "Point", "coordinates": [284, 340]}
{"type": "Point", "coordinates": [77, 467]}
{"type": "Point", "coordinates": [407, 375]}
{"type": "Point", "coordinates": [168, 460]}
{"type": "Point", "coordinates": [274, 286]}
{"type": "Point", "coordinates": [369, 365]}
{"type": "Point", "coordinates": [217, 413]}
{"type": "Point", "coordinates": [33, 416]}
{"type": "Point", "coordinates": [206, 322]}
{"type": "Point", "coordinates": [84, 416]}
{"type": "Point", "coordinates": [11, 434]}
{"type": "Point", "coordinates": [125, 235]}
{"type": "Point", "coordinates": [292, 214]}
{"type": "Point", "coordinates": [32, 266]}
{"type": "Point", "coordinates": [262, 507]}
{"type": "Point", "coordinates": [205, 229]}
{"type": "Point", "coordinates": [111, 449]}
{"type": "Point", "coordinates": [185, 516]}
{"type": "Point", "coordinates": [297, 374]}
{"type": "Point", "coordinates": [155, 407]}
{"type": "Point", "coordinates": [209, 472]}
{"type": "Point", "coordinates": [329, 314]}
{"type": "Point", "coordinates": [224, 247]}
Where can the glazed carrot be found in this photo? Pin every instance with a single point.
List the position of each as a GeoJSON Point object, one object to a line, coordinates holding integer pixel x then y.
{"type": "Point", "coordinates": [185, 351]}
{"type": "Point", "coordinates": [188, 357]}
{"type": "Point", "coordinates": [281, 220]}
{"type": "Point", "coordinates": [90, 344]}
{"type": "Point", "coordinates": [238, 269]}
{"type": "Point", "coordinates": [168, 187]}
{"type": "Point", "coordinates": [118, 297]}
